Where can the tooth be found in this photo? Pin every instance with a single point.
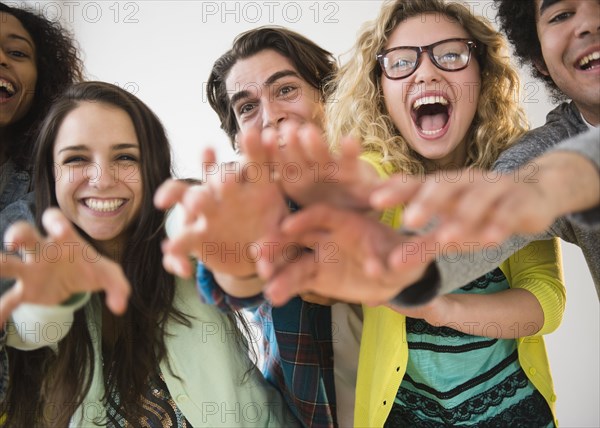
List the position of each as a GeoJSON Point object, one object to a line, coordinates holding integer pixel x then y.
{"type": "Point", "coordinates": [591, 57]}
{"type": "Point", "coordinates": [430, 100]}
{"type": "Point", "coordinates": [9, 87]}
{"type": "Point", "coordinates": [104, 206]}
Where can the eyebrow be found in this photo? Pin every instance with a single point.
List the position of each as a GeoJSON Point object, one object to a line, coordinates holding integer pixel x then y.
{"type": "Point", "coordinates": [546, 4]}
{"type": "Point", "coordinates": [83, 148]}
{"type": "Point", "coordinates": [22, 38]}
{"type": "Point", "coordinates": [270, 81]}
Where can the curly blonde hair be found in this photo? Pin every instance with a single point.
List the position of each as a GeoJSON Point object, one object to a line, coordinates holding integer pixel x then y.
{"type": "Point", "coordinates": [357, 107]}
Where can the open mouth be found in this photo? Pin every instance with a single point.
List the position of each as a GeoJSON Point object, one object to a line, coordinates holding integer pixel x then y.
{"type": "Point", "coordinates": [589, 62]}
{"type": "Point", "coordinates": [431, 114]}
{"type": "Point", "coordinates": [7, 90]}
{"type": "Point", "coordinates": [103, 205]}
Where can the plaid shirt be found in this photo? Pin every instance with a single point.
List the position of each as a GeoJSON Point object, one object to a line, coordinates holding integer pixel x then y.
{"type": "Point", "coordinates": [298, 349]}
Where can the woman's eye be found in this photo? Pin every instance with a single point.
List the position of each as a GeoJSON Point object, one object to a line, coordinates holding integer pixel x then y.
{"type": "Point", "coordinates": [74, 159]}
{"type": "Point", "coordinates": [450, 57]}
{"type": "Point", "coordinates": [18, 54]}
{"type": "Point", "coordinates": [402, 64]}
{"type": "Point", "coordinates": [128, 158]}
{"type": "Point", "coordinates": [561, 17]}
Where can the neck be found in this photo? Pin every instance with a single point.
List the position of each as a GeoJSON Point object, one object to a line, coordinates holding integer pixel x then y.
{"type": "Point", "coordinates": [591, 114]}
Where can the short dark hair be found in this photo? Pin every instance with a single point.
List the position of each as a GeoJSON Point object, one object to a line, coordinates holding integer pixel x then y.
{"type": "Point", "coordinates": [314, 64]}
{"type": "Point", "coordinates": [58, 66]}
{"type": "Point", "coordinates": [517, 19]}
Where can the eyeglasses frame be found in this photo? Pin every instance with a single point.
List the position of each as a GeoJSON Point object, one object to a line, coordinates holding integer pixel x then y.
{"type": "Point", "coordinates": [472, 44]}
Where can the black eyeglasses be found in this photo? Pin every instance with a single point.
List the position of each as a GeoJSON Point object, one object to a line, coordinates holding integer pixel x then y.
{"type": "Point", "coordinates": [448, 55]}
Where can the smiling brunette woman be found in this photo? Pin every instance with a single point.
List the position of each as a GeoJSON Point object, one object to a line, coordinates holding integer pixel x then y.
{"type": "Point", "coordinates": [157, 365]}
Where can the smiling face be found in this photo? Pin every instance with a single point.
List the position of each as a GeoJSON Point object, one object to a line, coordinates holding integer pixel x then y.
{"type": "Point", "coordinates": [97, 172]}
{"type": "Point", "coordinates": [433, 109]}
{"type": "Point", "coordinates": [266, 90]}
{"type": "Point", "coordinates": [18, 70]}
{"type": "Point", "coordinates": [569, 33]}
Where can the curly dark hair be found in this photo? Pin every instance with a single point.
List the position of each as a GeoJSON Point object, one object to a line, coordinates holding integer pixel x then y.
{"type": "Point", "coordinates": [517, 19]}
{"type": "Point", "coordinates": [58, 66]}
{"type": "Point", "coordinates": [316, 66]}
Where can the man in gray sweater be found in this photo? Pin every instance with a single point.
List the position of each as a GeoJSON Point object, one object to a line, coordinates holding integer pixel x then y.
{"type": "Point", "coordinates": [560, 42]}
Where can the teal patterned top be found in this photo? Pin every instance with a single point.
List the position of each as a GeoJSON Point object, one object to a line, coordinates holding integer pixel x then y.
{"type": "Point", "coordinates": [456, 379]}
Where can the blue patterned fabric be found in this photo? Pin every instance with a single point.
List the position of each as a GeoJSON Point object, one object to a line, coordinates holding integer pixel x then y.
{"type": "Point", "coordinates": [456, 379]}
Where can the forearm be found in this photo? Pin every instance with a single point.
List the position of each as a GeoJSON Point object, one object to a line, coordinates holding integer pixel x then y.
{"type": "Point", "coordinates": [509, 314]}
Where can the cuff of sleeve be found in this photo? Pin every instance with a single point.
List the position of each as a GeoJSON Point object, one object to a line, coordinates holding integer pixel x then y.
{"type": "Point", "coordinates": [29, 321]}
{"type": "Point", "coordinates": [589, 219]}
{"type": "Point", "coordinates": [422, 291]}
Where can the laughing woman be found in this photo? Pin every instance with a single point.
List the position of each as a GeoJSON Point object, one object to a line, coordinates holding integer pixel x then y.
{"type": "Point", "coordinates": [430, 88]}
{"type": "Point", "coordinates": [169, 360]}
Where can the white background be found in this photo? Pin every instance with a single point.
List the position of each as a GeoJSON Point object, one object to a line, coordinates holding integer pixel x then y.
{"type": "Point", "coordinates": [163, 52]}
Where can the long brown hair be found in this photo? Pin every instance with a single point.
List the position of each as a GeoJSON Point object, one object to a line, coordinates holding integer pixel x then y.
{"type": "Point", "coordinates": [60, 381]}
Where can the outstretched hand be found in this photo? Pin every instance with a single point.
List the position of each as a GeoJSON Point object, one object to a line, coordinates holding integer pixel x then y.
{"type": "Point", "coordinates": [226, 217]}
{"type": "Point", "coordinates": [348, 261]}
{"type": "Point", "coordinates": [52, 269]}
{"type": "Point", "coordinates": [478, 206]}
{"type": "Point", "coordinates": [310, 173]}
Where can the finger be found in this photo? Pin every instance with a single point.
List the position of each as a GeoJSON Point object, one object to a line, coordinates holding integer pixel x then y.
{"type": "Point", "coordinates": [177, 265]}
{"type": "Point", "coordinates": [313, 218]}
{"type": "Point", "coordinates": [9, 301]}
{"type": "Point", "coordinates": [398, 189]}
{"type": "Point", "coordinates": [202, 200]}
{"type": "Point", "coordinates": [169, 193]}
{"type": "Point", "coordinates": [24, 238]}
{"type": "Point", "coordinates": [210, 168]}
{"type": "Point", "coordinates": [478, 201]}
{"type": "Point", "coordinates": [350, 151]}
{"type": "Point", "coordinates": [271, 258]}
{"type": "Point", "coordinates": [315, 146]}
{"type": "Point", "coordinates": [435, 197]}
{"type": "Point", "coordinates": [58, 226]}
{"type": "Point", "coordinates": [117, 290]}
{"type": "Point", "coordinates": [292, 279]}
{"type": "Point", "coordinates": [181, 247]}
{"type": "Point", "coordinates": [253, 149]}
{"type": "Point", "coordinates": [293, 151]}
{"type": "Point", "coordinates": [11, 266]}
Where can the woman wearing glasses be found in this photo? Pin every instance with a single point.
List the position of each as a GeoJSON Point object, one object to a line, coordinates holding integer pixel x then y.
{"type": "Point", "coordinates": [430, 89]}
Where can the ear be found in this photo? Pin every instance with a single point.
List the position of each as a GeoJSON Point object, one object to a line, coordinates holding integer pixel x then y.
{"type": "Point", "coordinates": [236, 143]}
{"type": "Point", "coordinates": [540, 66]}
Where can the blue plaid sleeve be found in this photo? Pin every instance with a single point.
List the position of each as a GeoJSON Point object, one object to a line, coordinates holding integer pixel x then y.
{"type": "Point", "coordinates": [212, 294]}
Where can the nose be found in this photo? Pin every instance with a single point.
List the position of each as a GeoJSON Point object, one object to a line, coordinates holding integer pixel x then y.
{"type": "Point", "coordinates": [427, 72]}
{"type": "Point", "coordinates": [273, 114]}
{"type": "Point", "coordinates": [102, 175]}
{"type": "Point", "coordinates": [589, 19]}
{"type": "Point", "coordinates": [3, 59]}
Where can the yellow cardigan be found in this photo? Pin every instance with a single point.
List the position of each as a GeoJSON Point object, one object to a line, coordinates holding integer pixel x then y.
{"type": "Point", "coordinates": [384, 348]}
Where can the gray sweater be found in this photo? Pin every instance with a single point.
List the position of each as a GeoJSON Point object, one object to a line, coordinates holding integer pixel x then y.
{"type": "Point", "coordinates": [582, 229]}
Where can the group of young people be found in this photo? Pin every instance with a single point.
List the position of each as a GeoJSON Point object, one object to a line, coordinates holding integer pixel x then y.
{"type": "Point", "coordinates": [355, 329]}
